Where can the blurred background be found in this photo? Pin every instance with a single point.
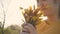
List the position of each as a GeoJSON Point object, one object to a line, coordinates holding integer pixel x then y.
{"type": "Point", "coordinates": [11, 17]}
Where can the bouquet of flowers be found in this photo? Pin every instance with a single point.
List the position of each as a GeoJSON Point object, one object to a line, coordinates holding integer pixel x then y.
{"type": "Point", "coordinates": [32, 16]}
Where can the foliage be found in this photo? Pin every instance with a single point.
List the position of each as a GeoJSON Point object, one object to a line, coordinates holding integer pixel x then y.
{"type": "Point", "coordinates": [13, 29]}
{"type": "Point", "coordinates": [0, 31]}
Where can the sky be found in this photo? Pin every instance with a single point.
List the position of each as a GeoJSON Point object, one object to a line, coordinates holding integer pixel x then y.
{"type": "Point", "coordinates": [13, 12]}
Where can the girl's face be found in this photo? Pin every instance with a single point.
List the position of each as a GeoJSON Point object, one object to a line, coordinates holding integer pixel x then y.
{"type": "Point", "coordinates": [48, 7]}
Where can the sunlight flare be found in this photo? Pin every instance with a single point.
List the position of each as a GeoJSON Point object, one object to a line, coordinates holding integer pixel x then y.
{"type": "Point", "coordinates": [43, 18]}
{"type": "Point", "coordinates": [26, 3]}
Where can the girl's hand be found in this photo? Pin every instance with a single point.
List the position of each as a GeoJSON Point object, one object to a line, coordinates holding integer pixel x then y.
{"type": "Point", "coordinates": [28, 29]}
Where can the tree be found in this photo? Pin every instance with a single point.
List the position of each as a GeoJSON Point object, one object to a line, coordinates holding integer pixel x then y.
{"type": "Point", "coordinates": [2, 27]}
{"type": "Point", "coordinates": [4, 15]}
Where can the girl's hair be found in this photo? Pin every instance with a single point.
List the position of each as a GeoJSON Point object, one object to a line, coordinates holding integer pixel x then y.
{"type": "Point", "coordinates": [59, 9]}
{"type": "Point", "coordinates": [57, 2]}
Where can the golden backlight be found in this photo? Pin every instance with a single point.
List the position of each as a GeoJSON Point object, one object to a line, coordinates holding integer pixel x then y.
{"type": "Point", "coordinates": [26, 3]}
